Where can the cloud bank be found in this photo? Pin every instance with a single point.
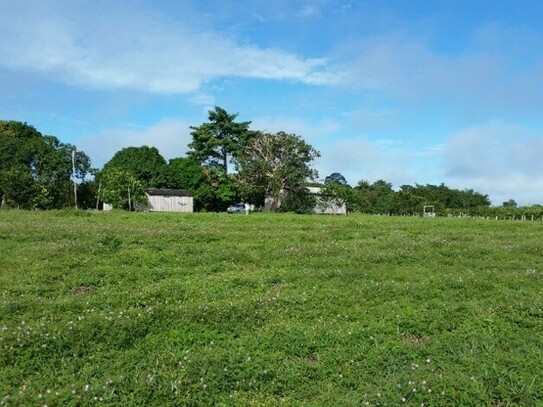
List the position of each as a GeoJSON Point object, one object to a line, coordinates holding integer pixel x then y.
{"type": "Point", "coordinates": [103, 46]}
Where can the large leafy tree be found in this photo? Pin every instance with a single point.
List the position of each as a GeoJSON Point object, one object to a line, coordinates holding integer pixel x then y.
{"type": "Point", "coordinates": [219, 141]}
{"type": "Point", "coordinates": [53, 171]}
{"type": "Point", "coordinates": [144, 163]}
{"type": "Point", "coordinates": [17, 187]}
{"type": "Point", "coordinates": [336, 178]}
{"type": "Point", "coordinates": [272, 164]}
{"type": "Point", "coordinates": [211, 188]}
{"type": "Point", "coordinates": [36, 169]}
{"type": "Point", "coordinates": [120, 188]}
{"type": "Point", "coordinates": [181, 173]}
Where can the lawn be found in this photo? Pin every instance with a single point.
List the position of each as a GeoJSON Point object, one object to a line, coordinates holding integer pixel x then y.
{"type": "Point", "coordinates": [134, 309]}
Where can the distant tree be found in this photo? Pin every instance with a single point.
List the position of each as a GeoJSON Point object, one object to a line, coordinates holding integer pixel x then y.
{"type": "Point", "coordinates": [211, 188]}
{"type": "Point", "coordinates": [43, 161]}
{"type": "Point", "coordinates": [216, 143]}
{"type": "Point", "coordinates": [217, 193]}
{"type": "Point", "coordinates": [335, 178]}
{"type": "Point", "coordinates": [120, 189]}
{"type": "Point", "coordinates": [181, 173]}
{"type": "Point", "coordinates": [18, 144]}
{"type": "Point", "coordinates": [335, 193]}
{"type": "Point", "coordinates": [407, 203]}
{"type": "Point", "coordinates": [53, 172]}
{"type": "Point", "coordinates": [273, 164]}
{"type": "Point", "coordinates": [511, 203]}
{"type": "Point", "coordinates": [360, 198]}
{"type": "Point", "coordinates": [17, 187]}
{"type": "Point", "coordinates": [144, 163]}
{"type": "Point", "coordinates": [299, 200]}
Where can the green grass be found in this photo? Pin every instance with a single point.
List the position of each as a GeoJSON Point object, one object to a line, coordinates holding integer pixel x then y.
{"type": "Point", "coordinates": [263, 310]}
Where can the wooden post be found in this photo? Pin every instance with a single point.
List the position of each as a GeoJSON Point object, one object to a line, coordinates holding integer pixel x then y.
{"type": "Point", "coordinates": [129, 201]}
{"type": "Point", "coordinates": [98, 194]}
{"type": "Point", "coordinates": [73, 176]}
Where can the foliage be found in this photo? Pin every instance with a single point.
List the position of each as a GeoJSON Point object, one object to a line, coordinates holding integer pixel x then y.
{"type": "Point", "coordinates": [299, 201]}
{"type": "Point", "coordinates": [17, 187]}
{"type": "Point", "coordinates": [380, 198]}
{"type": "Point", "coordinates": [24, 151]}
{"type": "Point", "coordinates": [132, 309]}
{"type": "Point", "coordinates": [217, 193]}
{"type": "Point", "coordinates": [181, 173]}
{"type": "Point", "coordinates": [274, 163]}
{"type": "Point", "coordinates": [216, 143]}
{"type": "Point", "coordinates": [144, 163]}
{"type": "Point", "coordinates": [336, 194]}
{"type": "Point", "coordinates": [120, 189]}
{"type": "Point", "coordinates": [335, 178]}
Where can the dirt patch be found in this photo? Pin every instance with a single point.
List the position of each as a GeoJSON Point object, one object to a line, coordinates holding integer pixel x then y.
{"type": "Point", "coordinates": [80, 290]}
{"type": "Point", "coordinates": [416, 340]}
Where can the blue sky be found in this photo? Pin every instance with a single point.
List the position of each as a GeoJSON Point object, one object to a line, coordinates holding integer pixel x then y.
{"type": "Point", "coordinates": [405, 91]}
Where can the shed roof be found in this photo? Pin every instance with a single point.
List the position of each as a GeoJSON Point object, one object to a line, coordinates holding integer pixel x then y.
{"type": "Point", "coordinates": [167, 192]}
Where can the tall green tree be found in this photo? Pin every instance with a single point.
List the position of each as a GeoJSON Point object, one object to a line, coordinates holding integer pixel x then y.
{"type": "Point", "coordinates": [30, 157]}
{"type": "Point", "coordinates": [336, 178]}
{"type": "Point", "coordinates": [211, 188]}
{"type": "Point", "coordinates": [19, 143]}
{"type": "Point", "coordinates": [272, 164]}
{"type": "Point", "coordinates": [53, 172]}
{"type": "Point", "coordinates": [17, 187]}
{"type": "Point", "coordinates": [144, 163]}
{"type": "Point", "coordinates": [120, 189]}
{"type": "Point", "coordinates": [219, 141]}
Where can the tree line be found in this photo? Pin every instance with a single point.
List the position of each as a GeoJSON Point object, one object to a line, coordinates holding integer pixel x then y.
{"type": "Point", "coordinates": [226, 162]}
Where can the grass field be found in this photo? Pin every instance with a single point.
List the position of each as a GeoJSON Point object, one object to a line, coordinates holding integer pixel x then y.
{"type": "Point", "coordinates": [139, 309]}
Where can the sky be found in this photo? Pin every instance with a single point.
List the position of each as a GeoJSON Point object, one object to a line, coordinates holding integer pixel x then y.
{"type": "Point", "coordinates": [411, 92]}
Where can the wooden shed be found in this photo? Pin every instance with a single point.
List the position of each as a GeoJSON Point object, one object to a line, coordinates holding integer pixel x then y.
{"type": "Point", "coordinates": [167, 200]}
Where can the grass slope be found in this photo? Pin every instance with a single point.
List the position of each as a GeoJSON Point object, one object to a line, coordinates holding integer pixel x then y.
{"type": "Point", "coordinates": [209, 309]}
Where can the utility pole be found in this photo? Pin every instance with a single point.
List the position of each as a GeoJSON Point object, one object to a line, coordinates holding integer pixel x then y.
{"type": "Point", "coordinates": [73, 177]}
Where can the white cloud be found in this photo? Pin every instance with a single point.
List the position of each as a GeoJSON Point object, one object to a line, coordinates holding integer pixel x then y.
{"type": "Point", "coordinates": [108, 46]}
{"type": "Point", "coordinates": [481, 76]}
{"type": "Point", "coordinates": [499, 159]}
{"type": "Point", "coordinates": [169, 136]}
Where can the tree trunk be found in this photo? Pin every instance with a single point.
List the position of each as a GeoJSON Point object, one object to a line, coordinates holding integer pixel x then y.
{"type": "Point", "coordinates": [98, 194]}
{"type": "Point", "coordinates": [129, 200]}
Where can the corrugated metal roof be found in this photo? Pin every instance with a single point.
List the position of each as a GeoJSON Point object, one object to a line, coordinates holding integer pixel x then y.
{"type": "Point", "coordinates": [167, 192]}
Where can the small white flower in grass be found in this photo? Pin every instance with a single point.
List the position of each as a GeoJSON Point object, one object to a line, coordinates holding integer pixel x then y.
{"type": "Point", "coordinates": [428, 360]}
{"type": "Point", "coordinates": [87, 387]}
{"type": "Point", "coordinates": [403, 400]}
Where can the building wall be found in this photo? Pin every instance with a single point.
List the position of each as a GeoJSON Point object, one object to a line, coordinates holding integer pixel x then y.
{"type": "Point", "coordinates": [160, 203]}
{"type": "Point", "coordinates": [330, 208]}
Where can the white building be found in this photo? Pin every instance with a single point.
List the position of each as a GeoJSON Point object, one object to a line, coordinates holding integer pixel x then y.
{"type": "Point", "coordinates": [167, 200]}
